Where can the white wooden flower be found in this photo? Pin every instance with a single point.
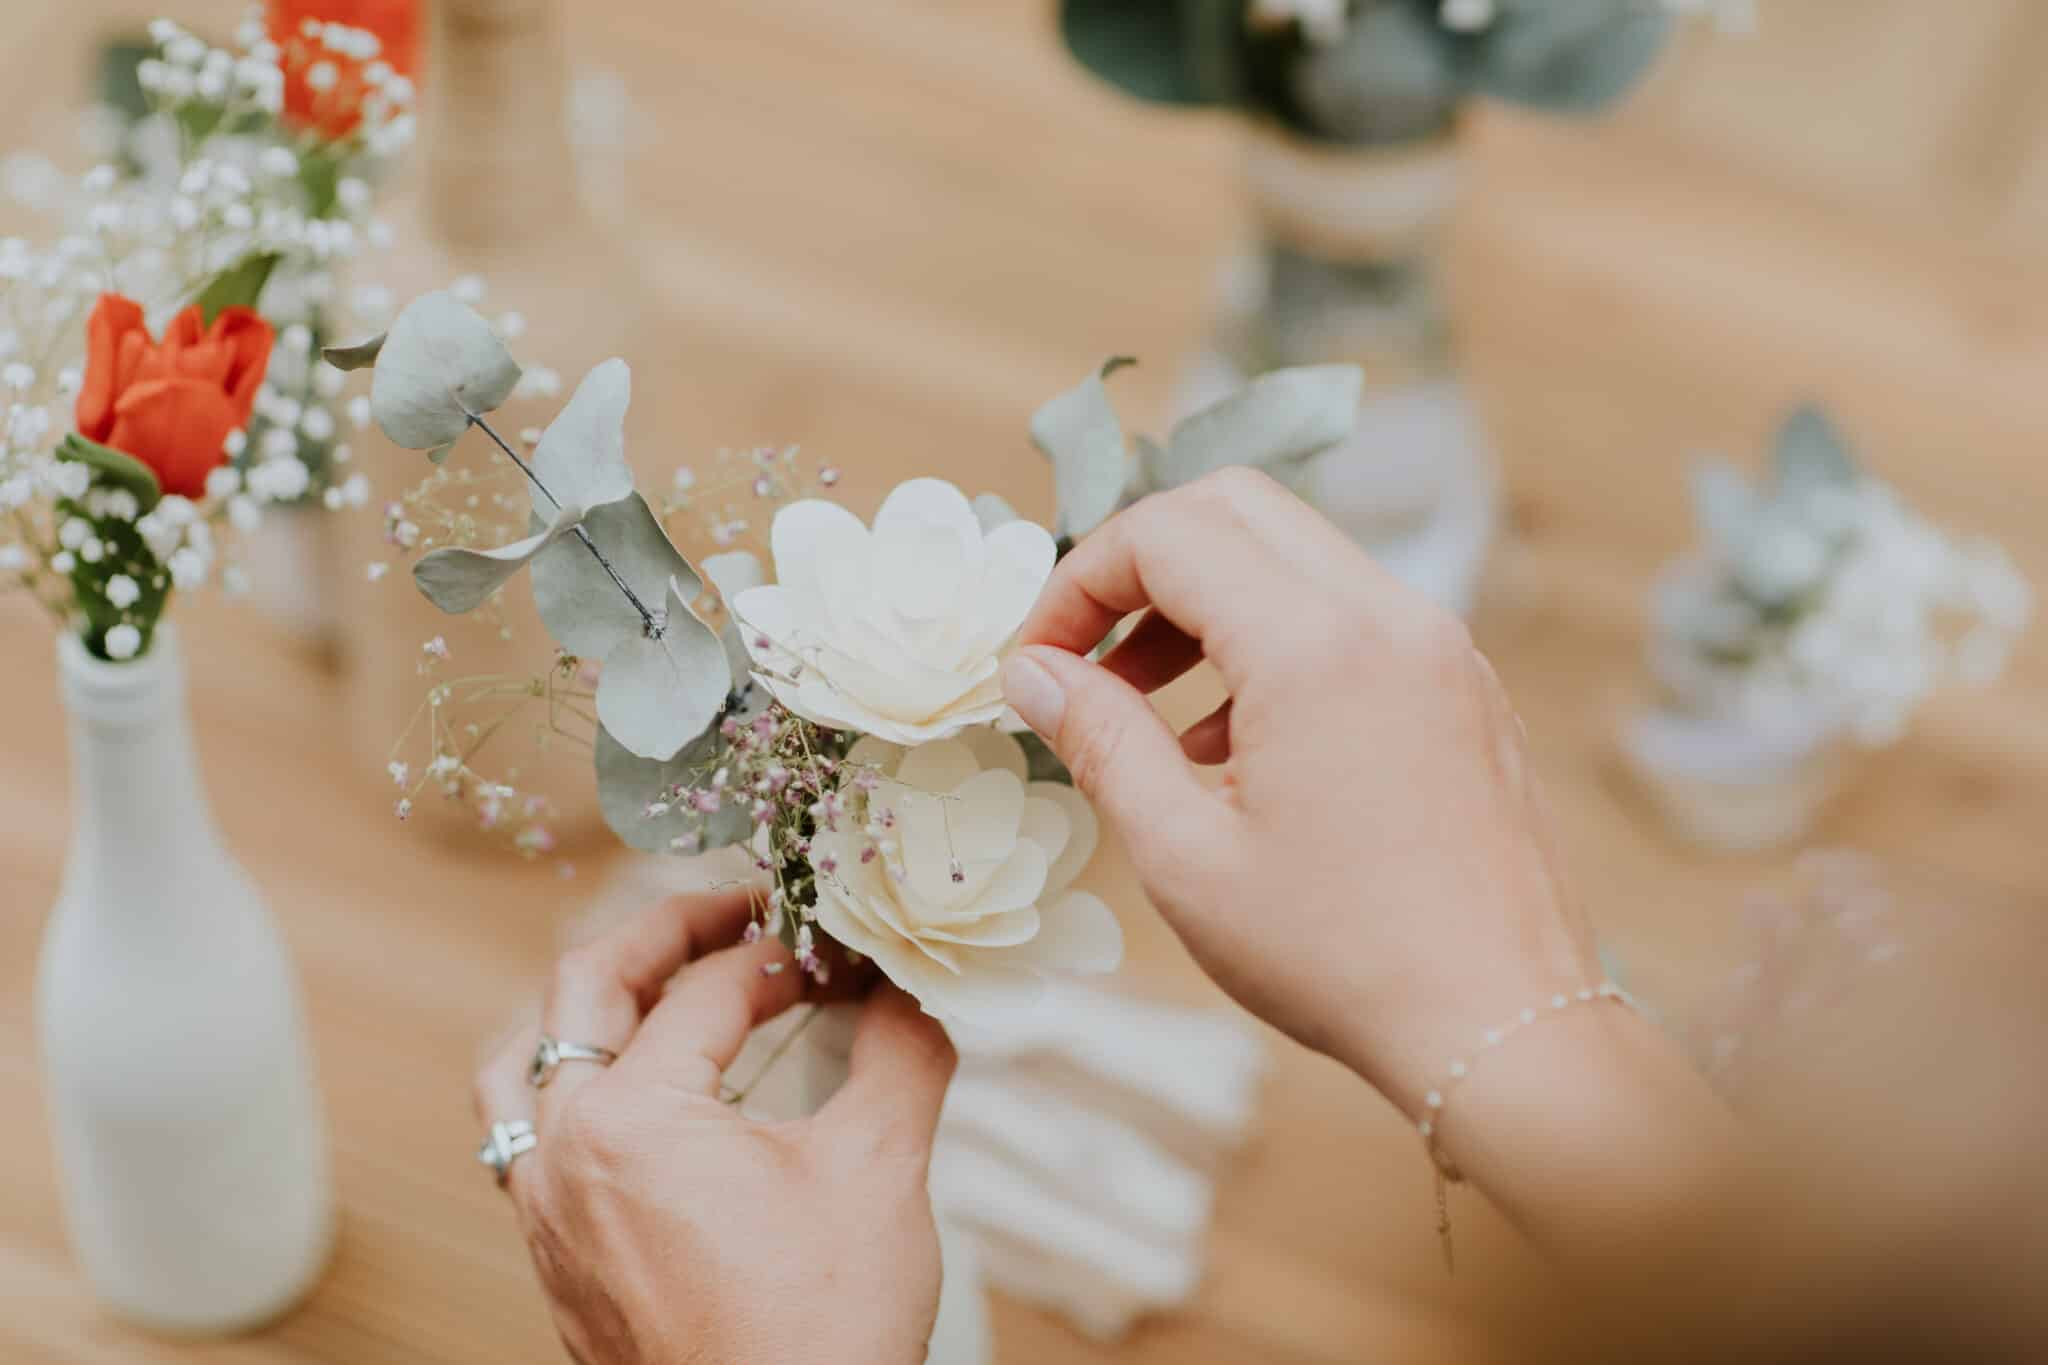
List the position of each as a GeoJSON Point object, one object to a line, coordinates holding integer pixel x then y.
{"type": "Point", "coordinates": [964, 899]}
{"type": "Point", "coordinates": [898, 631]}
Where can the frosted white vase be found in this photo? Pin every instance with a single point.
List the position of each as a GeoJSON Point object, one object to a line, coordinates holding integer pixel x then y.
{"type": "Point", "coordinates": [179, 1085]}
{"type": "Point", "coordinates": [291, 562]}
{"type": "Point", "coordinates": [1737, 784]}
{"type": "Point", "coordinates": [1345, 270]}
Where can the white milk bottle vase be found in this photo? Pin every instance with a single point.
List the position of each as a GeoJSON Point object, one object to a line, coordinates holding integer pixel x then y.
{"type": "Point", "coordinates": [179, 1084]}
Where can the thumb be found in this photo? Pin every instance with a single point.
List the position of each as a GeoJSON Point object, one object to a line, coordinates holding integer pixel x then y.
{"type": "Point", "coordinates": [1124, 756]}
{"type": "Point", "coordinates": [897, 1077]}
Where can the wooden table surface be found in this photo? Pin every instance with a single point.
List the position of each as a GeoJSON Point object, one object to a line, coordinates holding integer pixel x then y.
{"type": "Point", "coordinates": [888, 231]}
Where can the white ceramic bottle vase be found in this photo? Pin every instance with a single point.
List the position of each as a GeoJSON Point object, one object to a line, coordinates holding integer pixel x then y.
{"type": "Point", "coordinates": [179, 1085]}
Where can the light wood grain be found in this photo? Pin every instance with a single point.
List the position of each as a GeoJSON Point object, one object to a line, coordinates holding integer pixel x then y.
{"type": "Point", "coordinates": [887, 231]}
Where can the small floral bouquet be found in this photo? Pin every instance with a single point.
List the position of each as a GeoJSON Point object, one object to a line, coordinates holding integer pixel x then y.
{"type": "Point", "coordinates": [844, 723]}
{"type": "Point", "coordinates": [158, 359]}
{"type": "Point", "coordinates": [1376, 71]}
{"type": "Point", "coordinates": [1820, 609]}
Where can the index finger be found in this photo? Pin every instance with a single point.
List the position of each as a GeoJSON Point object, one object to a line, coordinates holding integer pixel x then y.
{"type": "Point", "coordinates": [1203, 556]}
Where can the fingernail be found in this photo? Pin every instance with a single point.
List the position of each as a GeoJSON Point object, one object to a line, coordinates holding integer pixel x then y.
{"type": "Point", "coordinates": [1035, 693]}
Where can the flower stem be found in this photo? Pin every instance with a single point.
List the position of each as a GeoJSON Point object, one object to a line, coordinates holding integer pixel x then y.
{"type": "Point", "coordinates": [646, 616]}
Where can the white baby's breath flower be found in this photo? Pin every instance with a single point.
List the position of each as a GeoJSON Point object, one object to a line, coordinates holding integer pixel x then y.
{"type": "Point", "coordinates": [897, 631]}
{"type": "Point", "coordinates": [123, 592]}
{"type": "Point", "coordinates": [188, 568]}
{"type": "Point", "coordinates": [14, 558]}
{"type": "Point", "coordinates": [123, 641]}
{"type": "Point", "coordinates": [969, 909]}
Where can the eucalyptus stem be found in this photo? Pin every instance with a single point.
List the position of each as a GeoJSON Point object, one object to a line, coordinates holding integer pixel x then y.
{"type": "Point", "coordinates": [646, 616]}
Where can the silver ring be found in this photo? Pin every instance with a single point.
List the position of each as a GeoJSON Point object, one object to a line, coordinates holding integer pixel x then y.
{"type": "Point", "coordinates": [507, 1143]}
{"type": "Point", "coordinates": [552, 1052]}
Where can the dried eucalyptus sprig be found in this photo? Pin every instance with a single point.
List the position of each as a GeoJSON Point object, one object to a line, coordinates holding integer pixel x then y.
{"type": "Point", "coordinates": [599, 554]}
{"type": "Point", "coordinates": [1277, 423]}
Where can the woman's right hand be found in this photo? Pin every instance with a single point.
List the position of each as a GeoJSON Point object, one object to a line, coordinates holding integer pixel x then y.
{"type": "Point", "coordinates": [1372, 874]}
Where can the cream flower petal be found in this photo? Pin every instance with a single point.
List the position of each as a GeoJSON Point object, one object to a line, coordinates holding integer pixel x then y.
{"type": "Point", "coordinates": [938, 767]}
{"type": "Point", "coordinates": [1046, 825]}
{"type": "Point", "coordinates": [994, 749]}
{"type": "Point", "coordinates": [1077, 933]}
{"type": "Point", "coordinates": [1084, 831]}
{"type": "Point", "coordinates": [930, 502]}
{"type": "Point", "coordinates": [1005, 930]}
{"type": "Point", "coordinates": [895, 631]}
{"type": "Point", "coordinates": [797, 533]}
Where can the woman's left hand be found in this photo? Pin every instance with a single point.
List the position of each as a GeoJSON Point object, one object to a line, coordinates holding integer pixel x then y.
{"type": "Point", "coordinates": [669, 1228]}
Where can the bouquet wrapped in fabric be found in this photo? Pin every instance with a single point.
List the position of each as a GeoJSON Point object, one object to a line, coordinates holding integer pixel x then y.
{"type": "Point", "coordinates": [844, 722]}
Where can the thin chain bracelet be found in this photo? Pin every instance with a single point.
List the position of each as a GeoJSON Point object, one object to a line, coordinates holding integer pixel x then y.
{"type": "Point", "coordinates": [1446, 1171]}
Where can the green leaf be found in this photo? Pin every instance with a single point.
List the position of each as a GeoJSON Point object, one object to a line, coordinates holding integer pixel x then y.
{"type": "Point", "coordinates": [1396, 76]}
{"type": "Point", "coordinates": [1043, 764]}
{"type": "Point", "coordinates": [1274, 422]}
{"type": "Point", "coordinates": [1811, 454]}
{"type": "Point", "coordinates": [360, 356]}
{"type": "Point", "coordinates": [1575, 56]}
{"type": "Point", "coordinates": [440, 367]}
{"type": "Point", "coordinates": [239, 286]}
{"type": "Point", "coordinates": [114, 468]}
{"type": "Point", "coordinates": [1079, 432]}
{"type": "Point", "coordinates": [1184, 52]}
{"type": "Point", "coordinates": [659, 692]}
{"type": "Point", "coordinates": [458, 579]}
{"type": "Point", "coordinates": [120, 86]}
{"type": "Point", "coordinates": [579, 603]}
{"type": "Point", "coordinates": [628, 784]}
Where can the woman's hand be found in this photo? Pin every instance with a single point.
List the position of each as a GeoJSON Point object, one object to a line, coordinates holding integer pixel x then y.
{"type": "Point", "coordinates": [666, 1227]}
{"type": "Point", "coordinates": [1373, 874]}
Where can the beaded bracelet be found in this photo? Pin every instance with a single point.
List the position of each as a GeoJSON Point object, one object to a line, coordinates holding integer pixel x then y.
{"type": "Point", "coordinates": [1446, 1170]}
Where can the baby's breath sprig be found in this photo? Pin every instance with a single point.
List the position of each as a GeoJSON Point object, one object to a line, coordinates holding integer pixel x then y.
{"type": "Point", "coordinates": [459, 717]}
{"type": "Point", "coordinates": [740, 493]}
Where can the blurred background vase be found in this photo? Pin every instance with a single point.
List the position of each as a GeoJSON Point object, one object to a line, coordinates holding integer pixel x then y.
{"type": "Point", "coordinates": [181, 1090]}
{"type": "Point", "coordinates": [1345, 269]}
{"type": "Point", "coordinates": [1739, 784]}
{"type": "Point", "coordinates": [496, 193]}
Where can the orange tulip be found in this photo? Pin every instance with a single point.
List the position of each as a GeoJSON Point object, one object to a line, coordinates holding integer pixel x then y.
{"type": "Point", "coordinates": [335, 111]}
{"type": "Point", "coordinates": [171, 403]}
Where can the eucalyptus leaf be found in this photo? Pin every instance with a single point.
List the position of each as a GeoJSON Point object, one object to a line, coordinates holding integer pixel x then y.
{"type": "Point", "coordinates": [581, 459]}
{"type": "Point", "coordinates": [458, 579]}
{"type": "Point", "coordinates": [361, 356]}
{"type": "Point", "coordinates": [1576, 56]}
{"type": "Point", "coordinates": [628, 784]}
{"type": "Point", "coordinates": [1079, 432]}
{"type": "Point", "coordinates": [1395, 76]}
{"type": "Point", "coordinates": [1273, 422]}
{"type": "Point", "coordinates": [1727, 507]}
{"type": "Point", "coordinates": [658, 692]}
{"type": "Point", "coordinates": [1165, 51]}
{"type": "Point", "coordinates": [993, 510]}
{"type": "Point", "coordinates": [1811, 454]}
{"type": "Point", "coordinates": [440, 366]}
{"type": "Point", "coordinates": [580, 604]}
{"type": "Point", "coordinates": [732, 574]}
{"type": "Point", "coordinates": [239, 286]}
{"type": "Point", "coordinates": [113, 468]}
